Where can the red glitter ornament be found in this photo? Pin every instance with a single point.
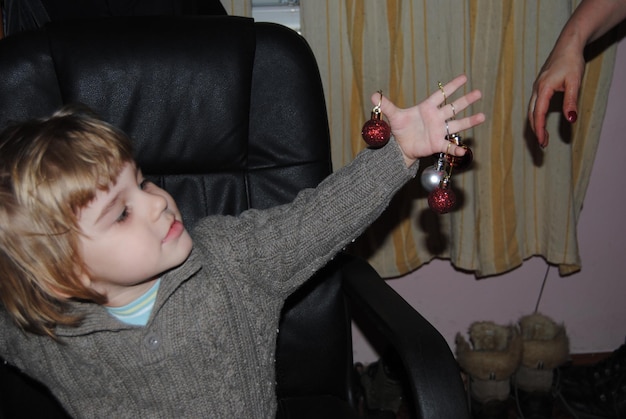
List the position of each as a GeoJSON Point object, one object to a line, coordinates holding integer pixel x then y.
{"type": "Point", "coordinates": [376, 132]}
{"type": "Point", "coordinates": [442, 199]}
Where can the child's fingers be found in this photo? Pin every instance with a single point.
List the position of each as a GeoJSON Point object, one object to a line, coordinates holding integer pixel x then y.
{"type": "Point", "coordinates": [463, 124]}
{"type": "Point", "coordinates": [436, 99]}
{"type": "Point", "coordinates": [444, 93]}
{"type": "Point", "coordinates": [452, 109]}
{"type": "Point", "coordinates": [450, 148]}
{"type": "Point", "coordinates": [389, 107]}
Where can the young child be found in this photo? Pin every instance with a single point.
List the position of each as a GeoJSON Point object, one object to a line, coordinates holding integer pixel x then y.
{"type": "Point", "coordinates": [109, 302]}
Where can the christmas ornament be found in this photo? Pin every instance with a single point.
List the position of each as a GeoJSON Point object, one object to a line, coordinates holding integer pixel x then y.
{"type": "Point", "coordinates": [437, 180]}
{"type": "Point", "coordinates": [376, 132]}
{"type": "Point", "coordinates": [433, 175]}
{"type": "Point", "coordinates": [442, 199]}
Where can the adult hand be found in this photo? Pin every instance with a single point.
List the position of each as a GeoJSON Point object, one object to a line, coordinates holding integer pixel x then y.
{"type": "Point", "coordinates": [564, 68]}
{"type": "Point", "coordinates": [562, 72]}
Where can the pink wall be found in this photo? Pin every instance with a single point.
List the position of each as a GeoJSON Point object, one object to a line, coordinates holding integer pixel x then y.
{"type": "Point", "coordinates": [591, 303]}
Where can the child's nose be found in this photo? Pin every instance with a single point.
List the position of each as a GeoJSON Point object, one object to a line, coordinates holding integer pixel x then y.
{"type": "Point", "coordinates": [158, 204]}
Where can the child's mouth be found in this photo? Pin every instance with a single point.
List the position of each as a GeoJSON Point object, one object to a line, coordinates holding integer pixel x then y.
{"type": "Point", "coordinates": [176, 229]}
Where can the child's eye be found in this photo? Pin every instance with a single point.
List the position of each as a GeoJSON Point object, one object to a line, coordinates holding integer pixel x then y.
{"type": "Point", "coordinates": [123, 216]}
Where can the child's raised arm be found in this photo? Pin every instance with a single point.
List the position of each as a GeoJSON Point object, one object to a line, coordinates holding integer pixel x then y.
{"type": "Point", "coordinates": [421, 130]}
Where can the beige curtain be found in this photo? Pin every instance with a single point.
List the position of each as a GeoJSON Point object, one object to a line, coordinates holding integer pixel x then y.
{"type": "Point", "coordinates": [238, 7]}
{"type": "Point", "coordinates": [517, 200]}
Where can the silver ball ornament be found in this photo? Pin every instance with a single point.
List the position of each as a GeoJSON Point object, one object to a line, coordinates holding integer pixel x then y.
{"type": "Point", "coordinates": [431, 177]}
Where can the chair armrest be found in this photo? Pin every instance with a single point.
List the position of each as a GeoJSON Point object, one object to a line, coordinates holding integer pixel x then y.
{"type": "Point", "coordinates": [433, 374]}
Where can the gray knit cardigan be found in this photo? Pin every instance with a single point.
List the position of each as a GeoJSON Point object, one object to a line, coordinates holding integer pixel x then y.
{"type": "Point", "coordinates": [208, 347]}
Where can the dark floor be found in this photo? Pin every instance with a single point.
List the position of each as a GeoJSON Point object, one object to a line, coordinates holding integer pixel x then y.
{"type": "Point", "coordinates": [560, 411]}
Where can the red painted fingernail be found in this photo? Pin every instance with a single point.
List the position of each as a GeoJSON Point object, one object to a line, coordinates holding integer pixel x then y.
{"type": "Point", "coordinates": [572, 116]}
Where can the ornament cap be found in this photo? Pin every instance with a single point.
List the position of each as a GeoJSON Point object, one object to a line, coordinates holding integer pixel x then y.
{"type": "Point", "coordinates": [455, 138]}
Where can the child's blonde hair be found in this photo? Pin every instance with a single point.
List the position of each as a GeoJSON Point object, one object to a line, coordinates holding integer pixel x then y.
{"type": "Point", "coordinates": [49, 170]}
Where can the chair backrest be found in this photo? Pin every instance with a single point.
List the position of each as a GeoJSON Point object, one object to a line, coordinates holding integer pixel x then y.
{"type": "Point", "coordinates": [226, 114]}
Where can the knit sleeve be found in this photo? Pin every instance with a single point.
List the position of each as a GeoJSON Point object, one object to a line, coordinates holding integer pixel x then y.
{"type": "Point", "coordinates": [282, 247]}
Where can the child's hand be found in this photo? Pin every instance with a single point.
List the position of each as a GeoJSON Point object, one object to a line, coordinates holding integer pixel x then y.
{"type": "Point", "coordinates": [421, 130]}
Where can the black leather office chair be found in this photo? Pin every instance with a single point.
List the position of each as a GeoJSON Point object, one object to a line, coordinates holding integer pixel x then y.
{"type": "Point", "coordinates": [228, 114]}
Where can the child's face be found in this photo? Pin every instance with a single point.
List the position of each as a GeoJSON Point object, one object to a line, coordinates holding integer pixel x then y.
{"type": "Point", "coordinates": [131, 234]}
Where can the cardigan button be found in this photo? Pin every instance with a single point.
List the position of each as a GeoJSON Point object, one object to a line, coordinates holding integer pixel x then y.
{"type": "Point", "coordinates": [152, 342]}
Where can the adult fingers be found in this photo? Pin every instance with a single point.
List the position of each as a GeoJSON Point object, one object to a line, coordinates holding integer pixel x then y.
{"type": "Point", "coordinates": [570, 101]}
{"type": "Point", "coordinates": [537, 116]}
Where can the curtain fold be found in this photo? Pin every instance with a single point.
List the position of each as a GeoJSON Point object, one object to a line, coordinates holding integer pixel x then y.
{"type": "Point", "coordinates": [238, 7]}
{"type": "Point", "coordinates": [517, 200]}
